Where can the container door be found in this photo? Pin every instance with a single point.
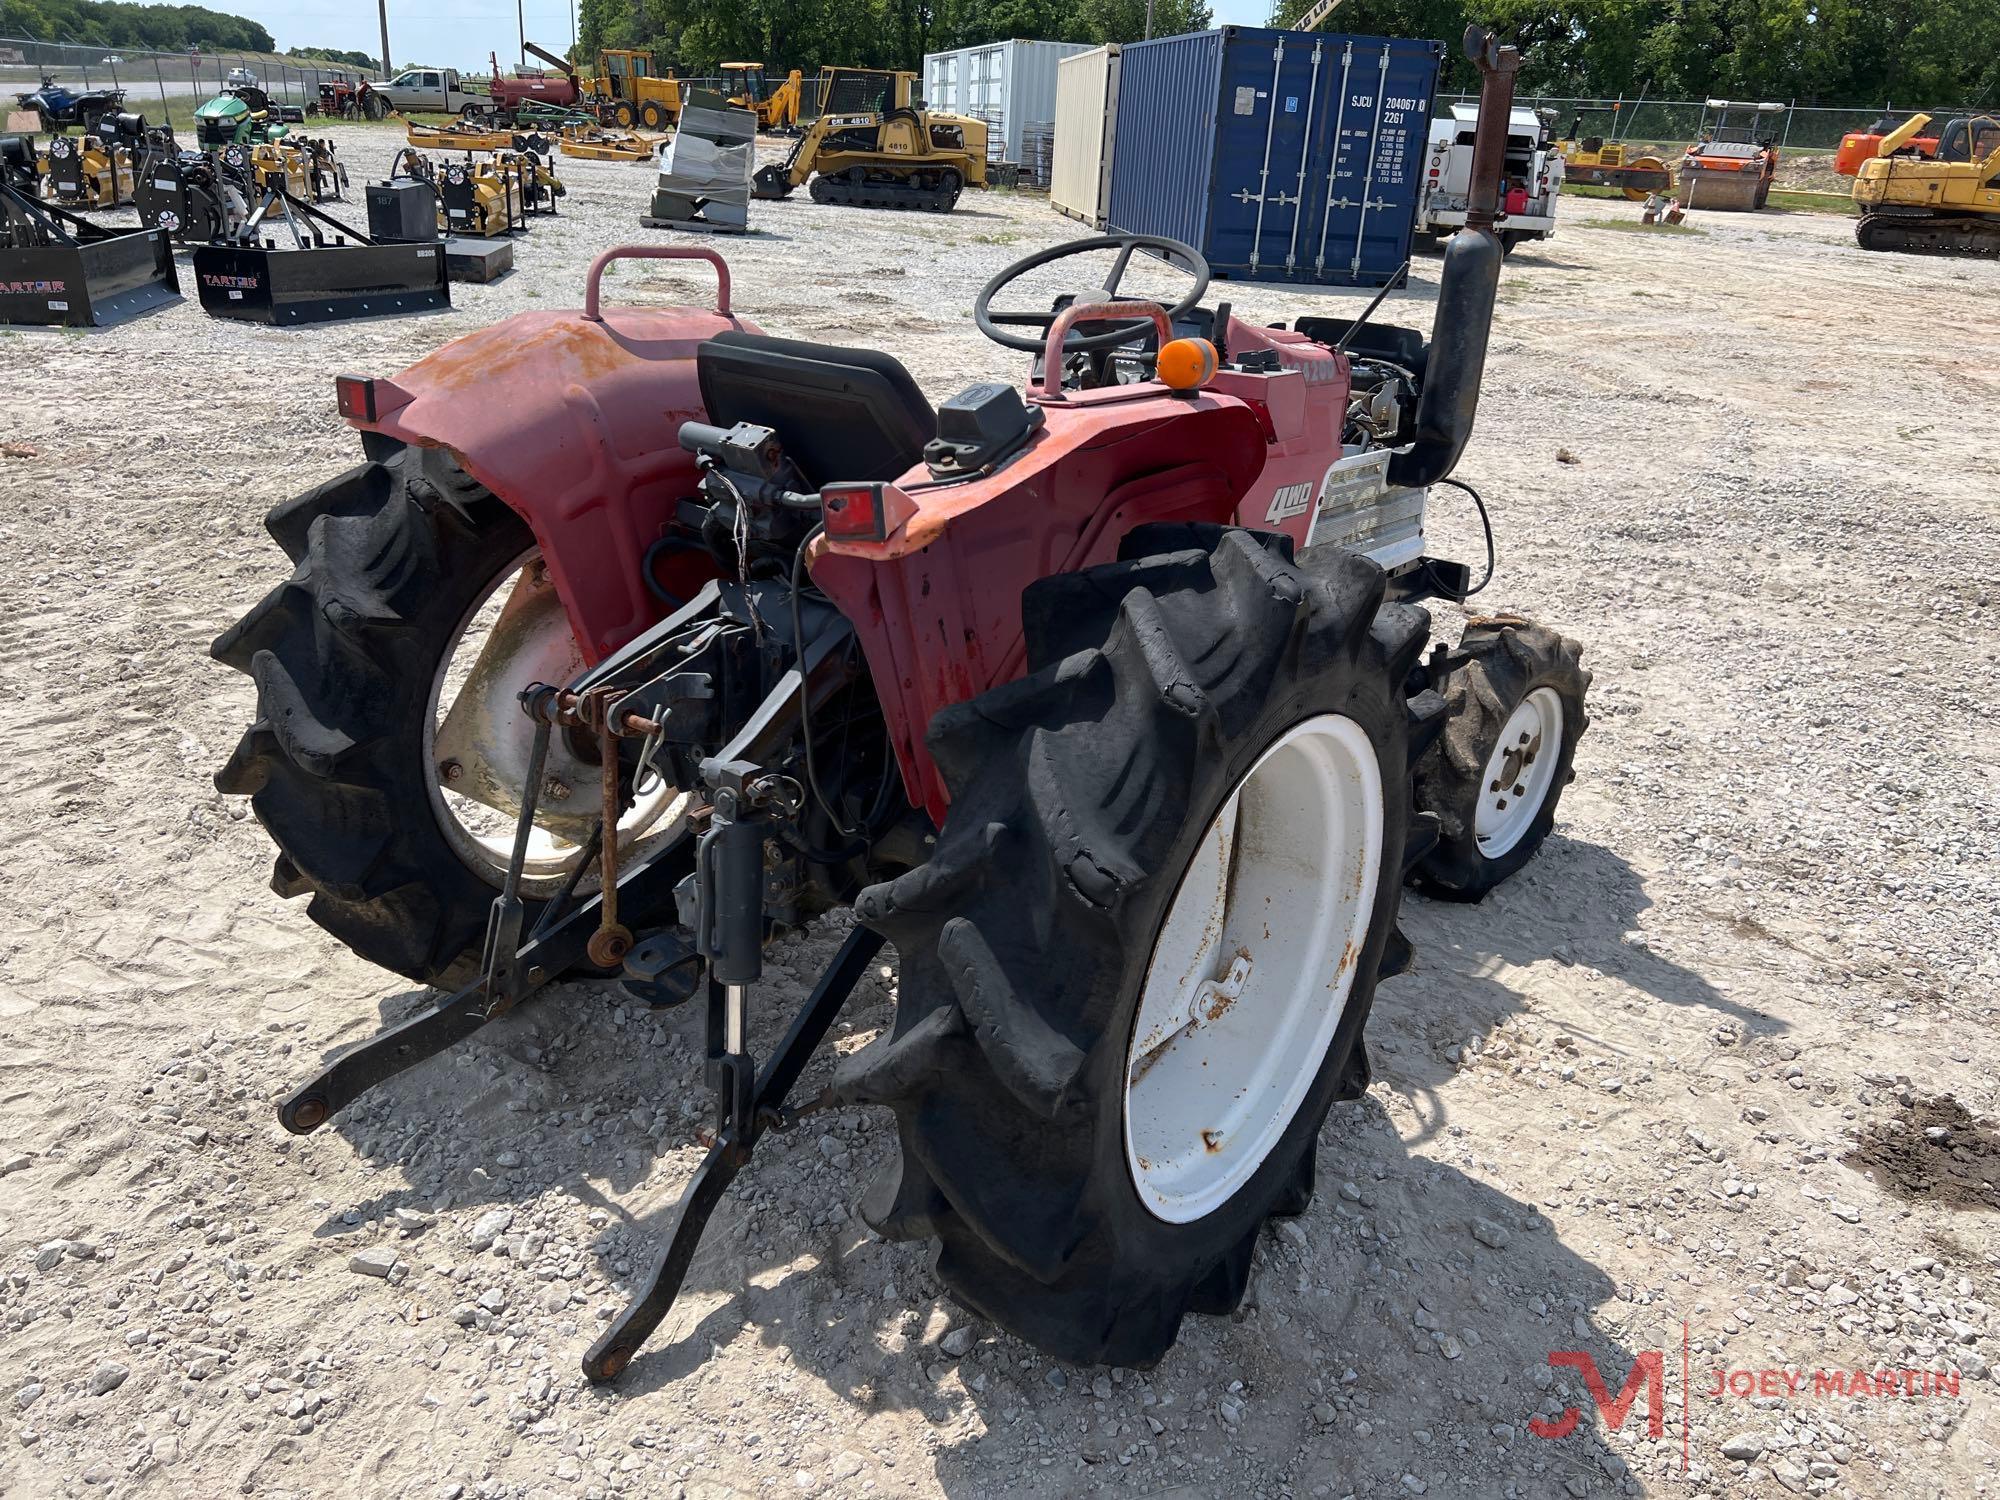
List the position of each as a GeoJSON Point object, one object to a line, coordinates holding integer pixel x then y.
{"type": "Point", "coordinates": [1264, 139]}
{"type": "Point", "coordinates": [1164, 140]}
{"type": "Point", "coordinates": [1366, 178]}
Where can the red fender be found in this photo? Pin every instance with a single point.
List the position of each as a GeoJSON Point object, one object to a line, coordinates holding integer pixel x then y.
{"type": "Point", "coordinates": [574, 422]}
{"type": "Point", "coordinates": [937, 602]}
{"type": "Point", "coordinates": [937, 605]}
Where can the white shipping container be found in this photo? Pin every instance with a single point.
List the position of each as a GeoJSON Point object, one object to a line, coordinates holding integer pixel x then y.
{"type": "Point", "coordinates": [1086, 116]}
{"type": "Point", "coordinates": [1009, 85]}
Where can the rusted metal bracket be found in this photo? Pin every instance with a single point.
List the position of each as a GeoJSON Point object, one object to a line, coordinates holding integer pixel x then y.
{"type": "Point", "coordinates": [595, 712]}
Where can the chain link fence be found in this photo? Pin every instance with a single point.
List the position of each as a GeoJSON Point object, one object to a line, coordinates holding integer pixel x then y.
{"type": "Point", "coordinates": [1673, 123]}
{"type": "Point", "coordinates": [163, 85]}
{"type": "Point", "coordinates": [167, 86]}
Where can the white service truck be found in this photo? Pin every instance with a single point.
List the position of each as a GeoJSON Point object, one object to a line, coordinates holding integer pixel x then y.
{"type": "Point", "coordinates": [1529, 187]}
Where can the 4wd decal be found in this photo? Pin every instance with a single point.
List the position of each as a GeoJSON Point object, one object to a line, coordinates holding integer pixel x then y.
{"type": "Point", "coordinates": [1290, 501]}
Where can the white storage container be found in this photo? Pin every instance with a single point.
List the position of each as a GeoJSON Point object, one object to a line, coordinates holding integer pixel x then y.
{"type": "Point", "coordinates": [1086, 117]}
{"type": "Point", "coordinates": [1011, 86]}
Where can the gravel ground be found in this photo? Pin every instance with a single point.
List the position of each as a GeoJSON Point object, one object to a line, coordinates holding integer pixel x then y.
{"type": "Point", "coordinates": [1711, 1082]}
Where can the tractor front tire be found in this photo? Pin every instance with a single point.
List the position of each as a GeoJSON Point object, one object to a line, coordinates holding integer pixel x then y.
{"type": "Point", "coordinates": [1083, 800]}
{"type": "Point", "coordinates": [1514, 693]}
{"type": "Point", "coordinates": [390, 560]}
{"type": "Point", "coordinates": [652, 116]}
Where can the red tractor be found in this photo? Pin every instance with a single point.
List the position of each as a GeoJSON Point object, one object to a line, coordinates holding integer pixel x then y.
{"type": "Point", "coordinates": [341, 97]}
{"type": "Point", "coordinates": [642, 635]}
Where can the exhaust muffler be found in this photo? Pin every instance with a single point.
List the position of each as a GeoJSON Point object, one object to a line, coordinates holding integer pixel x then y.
{"type": "Point", "coordinates": [1466, 289]}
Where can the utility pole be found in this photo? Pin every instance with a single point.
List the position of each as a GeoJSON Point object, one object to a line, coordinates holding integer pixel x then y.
{"type": "Point", "coordinates": [382, 9]}
{"type": "Point", "coordinates": [521, 17]}
{"type": "Point", "coordinates": [1149, 20]}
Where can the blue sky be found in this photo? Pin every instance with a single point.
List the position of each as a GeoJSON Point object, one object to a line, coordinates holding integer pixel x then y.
{"type": "Point", "coordinates": [459, 33]}
{"type": "Point", "coordinates": [448, 33]}
{"type": "Point", "coordinates": [1240, 12]}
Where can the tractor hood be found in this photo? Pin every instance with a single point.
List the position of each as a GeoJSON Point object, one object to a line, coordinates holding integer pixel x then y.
{"type": "Point", "coordinates": [223, 107]}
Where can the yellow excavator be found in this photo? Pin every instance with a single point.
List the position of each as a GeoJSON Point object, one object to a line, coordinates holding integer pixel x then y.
{"type": "Point", "coordinates": [874, 145]}
{"type": "Point", "coordinates": [776, 109]}
{"type": "Point", "coordinates": [1948, 204]}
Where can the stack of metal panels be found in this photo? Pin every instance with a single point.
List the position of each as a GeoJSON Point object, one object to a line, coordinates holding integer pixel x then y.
{"type": "Point", "coordinates": [705, 172]}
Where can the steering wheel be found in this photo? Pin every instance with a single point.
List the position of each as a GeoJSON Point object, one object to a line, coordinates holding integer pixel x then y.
{"type": "Point", "coordinates": [992, 323]}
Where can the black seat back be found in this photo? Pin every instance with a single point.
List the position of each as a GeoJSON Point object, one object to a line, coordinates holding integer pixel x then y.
{"type": "Point", "coordinates": [841, 414]}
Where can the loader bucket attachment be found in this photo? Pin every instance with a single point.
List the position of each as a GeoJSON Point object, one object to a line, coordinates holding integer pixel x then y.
{"type": "Point", "coordinates": [287, 287]}
{"type": "Point", "coordinates": [58, 269]}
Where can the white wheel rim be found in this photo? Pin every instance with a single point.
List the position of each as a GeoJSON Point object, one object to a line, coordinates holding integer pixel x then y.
{"type": "Point", "coordinates": [1253, 968]}
{"type": "Point", "coordinates": [482, 837]}
{"type": "Point", "coordinates": [1519, 773]}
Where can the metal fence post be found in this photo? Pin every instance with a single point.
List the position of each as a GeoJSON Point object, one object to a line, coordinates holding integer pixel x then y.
{"type": "Point", "coordinates": [1790, 110]}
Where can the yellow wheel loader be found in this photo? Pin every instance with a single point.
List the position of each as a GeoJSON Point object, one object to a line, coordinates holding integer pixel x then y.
{"type": "Point", "coordinates": [874, 145]}
{"type": "Point", "coordinates": [1947, 205]}
{"type": "Point", "coordinates": [776, 109]}
{"type": "Point", "coordinates": [630, 92]}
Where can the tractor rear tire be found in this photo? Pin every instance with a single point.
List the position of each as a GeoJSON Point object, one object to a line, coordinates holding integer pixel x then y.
{"type": "Point", "coordinates": [1508, 678]}
{"type": "Point", "coordinates": [1081, 796]}
{"type": "Point", "coordinates": [390, 560]}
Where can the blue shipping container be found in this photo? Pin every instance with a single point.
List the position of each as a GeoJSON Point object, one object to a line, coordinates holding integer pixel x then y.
{"type": "Point", "coordinates": [1280, 155]}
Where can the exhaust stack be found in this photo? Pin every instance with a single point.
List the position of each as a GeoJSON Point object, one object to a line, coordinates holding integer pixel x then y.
{"type": "Point", "coordinates": [1466, 289]}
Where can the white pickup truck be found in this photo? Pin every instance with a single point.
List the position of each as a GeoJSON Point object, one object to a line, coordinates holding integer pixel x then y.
{"type": "Point", "coordinates": [431, 91]}
{"type": "Point", "coordinates": [1530, 183]}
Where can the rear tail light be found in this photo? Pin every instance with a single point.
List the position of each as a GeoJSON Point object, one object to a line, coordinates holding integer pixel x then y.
{"type": "Point", "coordinates": [364, 399]}
{"type": "Point", "coordinates": [864, 512]}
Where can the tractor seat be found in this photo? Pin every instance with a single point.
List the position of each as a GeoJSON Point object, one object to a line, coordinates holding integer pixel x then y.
{"type": "Point", "coordinates": [841, 414]}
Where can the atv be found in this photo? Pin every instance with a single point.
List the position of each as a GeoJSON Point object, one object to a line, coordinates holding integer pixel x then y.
{"type": "Point", "coordinates": [1107, 702]}
{"type": "Point", "coordinates": [59, 107]}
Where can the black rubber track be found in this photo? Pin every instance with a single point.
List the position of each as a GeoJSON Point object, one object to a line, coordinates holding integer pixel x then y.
{"type": "Point", "coordinates": [1494, 666]}
{"type": "Point", "coordinates": [1078, 796]}
{"type": "Point", "coordinates": [1940, 234]}
{"type": "Point", "coordinates": [883, 194]}
{"type": "Point", "coordinates": [389, 558]}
